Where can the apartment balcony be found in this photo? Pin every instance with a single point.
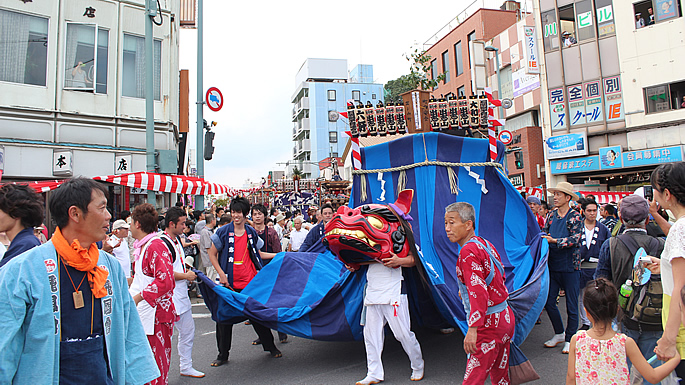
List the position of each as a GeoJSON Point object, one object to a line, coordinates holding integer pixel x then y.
{"type": "Point", "coordinates": [301, 108]}
{"type": "Point", "coordinates": [299, 128]}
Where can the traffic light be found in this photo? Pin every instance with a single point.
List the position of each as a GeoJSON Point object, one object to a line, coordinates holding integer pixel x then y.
{"type": "Point", "coordinates": [209, 145]}
{"type": "Point", "coordinates": [518, 159]}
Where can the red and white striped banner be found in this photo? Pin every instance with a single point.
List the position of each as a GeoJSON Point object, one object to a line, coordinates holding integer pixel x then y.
{"type": "Point", "coordinates": [606, 196]}
{"type": "Point", "coordinates": [356, 152]}
{"type": "Point", "coordinates": [535, 191]}
{"type": "Point", "coordinates": [43, 185]}
{"type": "Point", "coordinates": [492, 123]}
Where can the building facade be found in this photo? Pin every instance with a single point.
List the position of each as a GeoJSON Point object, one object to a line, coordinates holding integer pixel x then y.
{"type": "Point", "coordinates": [450, 55]}
{"type": "Point", "coordinates": [520, 77]}
{"type": "Point", "coordinates": [323, 88]}
{"type": "Point", "coordinates": [612, 91]}
{"type": "Point", "coordinates": [72, 88]}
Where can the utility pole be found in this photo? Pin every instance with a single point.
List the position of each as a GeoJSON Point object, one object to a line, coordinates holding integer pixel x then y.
{"type": "Point", "coordinates": [151, 11]}
{"type": "Point", "coordinates": [200, 199]}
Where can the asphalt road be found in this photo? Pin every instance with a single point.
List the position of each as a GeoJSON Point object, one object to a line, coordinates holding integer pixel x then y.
{"type": "Point", "coordinates": [317, 362]}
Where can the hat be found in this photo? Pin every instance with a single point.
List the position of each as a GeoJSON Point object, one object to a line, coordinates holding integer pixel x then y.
{"type": "Point", "coordinates": [634, 208]}
{"type": "Point", "coordinates": [533, 199]}
{"type": "Point", "coordinates": [280, 217]}
{"type": "Point", "coordinates": [566, 188]}
{"type": "Point", "coordinates": [565, 33]}
{"type": "Point", "coordinates": [120, 224]}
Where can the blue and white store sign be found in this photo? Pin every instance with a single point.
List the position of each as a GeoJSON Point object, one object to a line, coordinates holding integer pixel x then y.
{"type": "Point", "coordinates": [610, 158]}
{"type": "Point", "coordinates": [566, 146]}
{"type": "Point", "coordinates": [653, 156]}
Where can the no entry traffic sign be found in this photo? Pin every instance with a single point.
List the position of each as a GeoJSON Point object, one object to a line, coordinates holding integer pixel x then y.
{"type": "Point", "coordinates": [505, 137]}
{"type": "Point", "coordinates": [214, 99]}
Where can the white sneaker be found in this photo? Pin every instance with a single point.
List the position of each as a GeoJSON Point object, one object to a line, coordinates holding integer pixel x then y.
{"type": "Point", "coordinates": [192, 373]}
{"type": "Point", "coordinates": [556, 340]}
{"type": "Point", "coordinates": [416, 375]}
{"type": "Point", "coordinates": [368, 380]}
{"type": "Point", "coordinates": [567, 347]}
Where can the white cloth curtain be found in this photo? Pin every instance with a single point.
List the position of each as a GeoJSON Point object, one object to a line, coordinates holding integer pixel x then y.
{"type": "Point", "coordinates": [70, 56]}
{"type": "Point", "coordinates": [14, 43]}
{"type": "Point", "coordinates": [140, 67]}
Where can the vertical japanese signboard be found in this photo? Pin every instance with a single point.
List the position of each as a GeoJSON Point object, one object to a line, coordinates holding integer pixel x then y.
{"type": "Point", "coordinates": [576, 105]}
{"type": "Point", "coordinates": [557, 108]}
{"type": "Point", "coordinates": [593, 102]}
{"type": "Point", "coordinates": [532, 60]}
{"type": "Point", "coordinates": [613, 99]}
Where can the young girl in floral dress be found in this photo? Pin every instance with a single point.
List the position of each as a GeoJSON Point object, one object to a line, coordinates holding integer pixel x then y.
{"type": "Point", "coordinates": [598, 356]}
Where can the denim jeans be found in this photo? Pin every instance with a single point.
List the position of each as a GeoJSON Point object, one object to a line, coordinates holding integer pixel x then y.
{"type": "Point", "coordinates": [585, 277]}
{"type": "Point", "coordinates": [646, 341]}
{"type": "Point", "coordinates": [570, 282]}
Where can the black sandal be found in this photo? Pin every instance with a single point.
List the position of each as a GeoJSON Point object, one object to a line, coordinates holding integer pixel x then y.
{"type": "Point", "coordinates": [257, 342]}
{"type": "Point", "coordinates": [276, 354]}
{"type": "Point", "coordinates": [217, 362]}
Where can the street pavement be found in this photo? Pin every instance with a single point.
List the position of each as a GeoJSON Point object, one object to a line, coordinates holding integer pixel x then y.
{"type": "Point", "coordinates": [317, 362]}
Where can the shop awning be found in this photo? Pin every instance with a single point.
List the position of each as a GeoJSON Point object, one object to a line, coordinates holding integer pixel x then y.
{"type": "Point", "coordinates": [179, 184]}
{"type": "Point", "coordinates": [606, 196]}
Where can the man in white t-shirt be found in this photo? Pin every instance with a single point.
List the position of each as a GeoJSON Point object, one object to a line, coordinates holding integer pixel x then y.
{"type": "Point", "coordinates": [121, 252]}
{"type": "Point", "coordinates": [297, 235]}
{"type": "Point", "coordinates": [175, 224]}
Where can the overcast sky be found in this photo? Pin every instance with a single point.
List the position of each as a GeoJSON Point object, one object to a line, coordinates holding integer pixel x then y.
{"type": "Point", "coordinates": [253, 50]}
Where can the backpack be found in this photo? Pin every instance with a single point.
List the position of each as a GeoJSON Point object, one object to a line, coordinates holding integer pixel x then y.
{"type": "Point", "coordinates": [645, 302]}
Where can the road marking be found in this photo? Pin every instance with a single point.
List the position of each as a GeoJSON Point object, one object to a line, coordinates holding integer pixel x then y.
{"type": "Point", "coordinates": [202, 315]}
{"type": "Point", "coordinates": [198, 304]}
{"type": "Point", "coordinates": [208, 333]}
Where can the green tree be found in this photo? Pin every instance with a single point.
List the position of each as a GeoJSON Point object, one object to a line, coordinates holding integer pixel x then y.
{"type": "Point", "coordinates": [419, 68]}
{"type": "Point", "coordinates": [394, 88]}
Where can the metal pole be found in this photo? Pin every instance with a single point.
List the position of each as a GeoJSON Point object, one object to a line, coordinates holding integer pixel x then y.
{"type": "Point", "coordinates": [200, 199]}
{"type": "Point", "coordinates": [499, 85]}
{"type": "Point", "coordinates": [149, 98]}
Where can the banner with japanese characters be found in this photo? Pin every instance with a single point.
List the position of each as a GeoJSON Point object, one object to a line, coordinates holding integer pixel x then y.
{"type": "Point", "coordinates": [613, 99]}
{"type": "Point", "coordinates": [557, 108]}
{"type": "Point", "coordinates": [576, 105]}
{"type": "Point", "coordinates": [652, 156]}
{"type": "Point", "coordinates": [593, 102]}
{"type": "Point", "coordinates": [532, 60]}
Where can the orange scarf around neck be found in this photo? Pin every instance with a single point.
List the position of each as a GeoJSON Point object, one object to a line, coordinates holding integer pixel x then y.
{"type": "Point", "coordinates": [82, 260]}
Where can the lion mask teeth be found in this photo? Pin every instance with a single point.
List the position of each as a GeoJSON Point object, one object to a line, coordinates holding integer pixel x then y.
{"type": "Point", "coordinates": [352, 233]}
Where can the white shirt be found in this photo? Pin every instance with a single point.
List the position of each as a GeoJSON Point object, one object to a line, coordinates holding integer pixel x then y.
{"type": "Point", "coordinates": [180, 298]}
{"type": "Point", "coordinates": [122, 254]}
{"type": "Point", "coordinates": [297, 238]}
{"type": "Point", "coordinates": [674, 248]}
{"type": "Point", "coordinates": [384, 285]}
{"type": "Point", "coordinates": [279, 231]}
{"type": "Point", "coordinates": [588, 236]}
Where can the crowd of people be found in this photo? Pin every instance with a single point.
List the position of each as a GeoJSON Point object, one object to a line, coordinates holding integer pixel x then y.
{"type": "Point", "coordinates": [619, 267]}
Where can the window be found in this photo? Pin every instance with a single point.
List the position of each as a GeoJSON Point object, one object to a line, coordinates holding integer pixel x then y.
{"type": "Point", "coordinates": [586, 28]}
{"type": "Point", "coordinates": [604, 12]}
{"type": "Point", "coordinates": [470, 37]}
{"type": "Point", "coordinates": [332, 137]}
{"type": "Point", "coordinates": [550, 36]}
{"type": "Point", "coordinates": [567, 26]}
{"type": "Point", "coordinates": [331, 95]}
{"type": "Point", "coordinates": [85, 62]}
{"type": "Point", "coordinates": [334, 154]}
{"type": "Point", "coordinates": [458, 58]}
{"type": "Point", "coordinates": [665, 97]}
{"type": "Point", "coordinates": [434, 70]}
{"type": "Point", "coordinates": [446, 66]}
{"type": "Point", "coordinates": [373, 96]}
{"type": "Point", "coordinates": [23, 48]}
{"type": "Point", "coordinates": [461, 91]}
{"type": "Point", "coordinates": [645, 11]}
{"type": "Point", "coordinates": [133, 80]}
{"type": "Point", "coordinates": [356, 95]}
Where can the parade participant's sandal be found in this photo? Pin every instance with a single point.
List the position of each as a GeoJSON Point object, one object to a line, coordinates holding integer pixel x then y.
{"type": "Point", "coordinates": [368, 381]}
{"type": "Point", "coordinates": [556, 340]}
{"type": "Point", "coordinates": [248, 323]}
{"type": "Point", "coordinates": [192, 373]}
{"type": "Point", "coordinates": [257, 342]}
{"type": "Point", "coordinates": [216, 363]}
{"type": "Point", "coordinates": [284, 340]}
{"type": "Point", "coordinates": [416, 375]}
{"type": "Point", "coordinates": [567, 347]}
{"type": "Point", "coordinates": [276, 353]}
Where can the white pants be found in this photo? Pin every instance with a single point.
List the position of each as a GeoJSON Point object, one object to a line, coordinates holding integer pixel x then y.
{"type": "Point", "coordinates": [376, 318]}
{"type": "Point", "coordinates": [186, 335]}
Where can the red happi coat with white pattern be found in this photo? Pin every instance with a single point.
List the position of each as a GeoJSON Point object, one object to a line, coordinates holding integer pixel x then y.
{"type": "Point", "coordinates": [494, 331]}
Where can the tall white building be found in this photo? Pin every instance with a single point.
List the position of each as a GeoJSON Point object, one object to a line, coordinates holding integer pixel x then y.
{"type": "Point", "coordinates": [323, 88]}
{"type": "Point", "coordinates": [72, 89]}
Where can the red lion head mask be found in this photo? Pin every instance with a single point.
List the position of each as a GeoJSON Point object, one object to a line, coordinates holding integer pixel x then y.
{"type": "Point", "coordinates": [370, 232]}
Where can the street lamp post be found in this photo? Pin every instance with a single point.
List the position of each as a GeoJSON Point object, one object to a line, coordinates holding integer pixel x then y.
{"type": "Point", "coordinates": [490, 48]}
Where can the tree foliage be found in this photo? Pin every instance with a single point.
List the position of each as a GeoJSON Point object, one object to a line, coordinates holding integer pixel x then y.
{"type": "Point", "coordinates": [418, 77]}
{"type": "Point", "coordinates": [395, 88]}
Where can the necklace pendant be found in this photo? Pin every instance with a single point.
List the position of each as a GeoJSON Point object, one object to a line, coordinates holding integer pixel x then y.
{"type": "Point", "coordinates": [78, 299]}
